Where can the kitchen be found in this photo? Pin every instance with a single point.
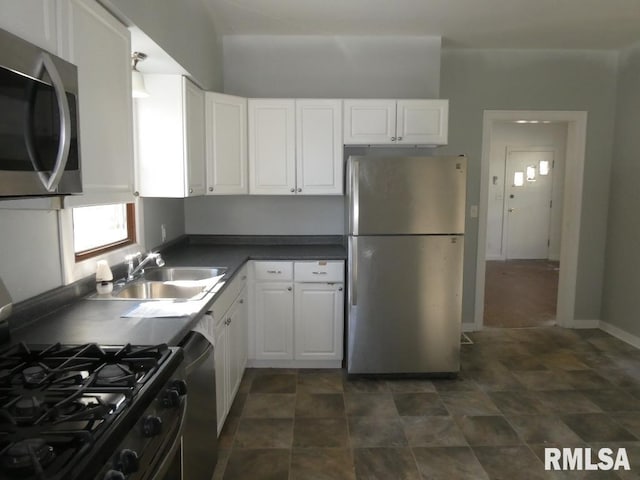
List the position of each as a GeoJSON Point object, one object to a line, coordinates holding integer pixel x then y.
{"type": "Point", "coordinates": [473, 80]}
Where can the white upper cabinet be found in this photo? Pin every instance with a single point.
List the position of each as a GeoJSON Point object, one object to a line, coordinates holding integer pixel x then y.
{"type": "Point", "coordinates": [170, 138]}
{"type": "Point", "coordinates": [319, 147]}
{"type": "Point", "coordinates": [100, 46]}
{"type": "Point", "coordinates": [226, 139]}
{"type": "Point", "coordinates": [33, 20]}
{"type": "Point", "coordinates": [295, 147]}
{"type": "Point", "coordinates": [272, 144]}
{"type": "Point", "coordinates": [409, 122]}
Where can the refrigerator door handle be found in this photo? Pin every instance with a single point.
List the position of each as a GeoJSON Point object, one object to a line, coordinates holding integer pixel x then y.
{"type": "Point", "coordinates": [355, 200]}
{"type": "Point", "coordinates": [353, 255]}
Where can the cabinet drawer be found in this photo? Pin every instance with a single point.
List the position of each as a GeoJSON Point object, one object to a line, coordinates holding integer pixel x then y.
{"type": "Point", "coordinates": [319, 271]}
{"type": "Point", "coordinates": [229, 294]}
{"type": "Point", "coordinates": [274, 270]}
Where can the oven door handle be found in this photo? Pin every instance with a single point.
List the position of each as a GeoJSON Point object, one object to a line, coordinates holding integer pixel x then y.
{"type": "Point", "coordinates": [168, 456]}
{"type": "Point", "coordinates": [51, 180]}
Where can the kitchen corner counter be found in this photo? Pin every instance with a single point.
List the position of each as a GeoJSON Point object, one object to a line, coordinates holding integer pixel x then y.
{"type": "Point", "coordinates": [101, 321]}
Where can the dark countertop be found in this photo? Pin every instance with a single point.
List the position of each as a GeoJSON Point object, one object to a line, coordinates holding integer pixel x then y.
{"type": "Point", "coordinates": [100, 321]}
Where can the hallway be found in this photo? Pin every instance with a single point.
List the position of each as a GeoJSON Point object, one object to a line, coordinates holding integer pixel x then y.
{"type": "Point", "coordinates": [521, 293]}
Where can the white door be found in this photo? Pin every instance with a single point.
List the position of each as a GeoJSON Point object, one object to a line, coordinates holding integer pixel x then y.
{"type": "Point", "coordinates": [272, 144]}
{"type": "Point", "coordinates": [369, 121]}
{"type": "Point", "coordinates": [194, 138]}
{"type": "Point", "coordinates": [226, 144]}
{"type": "Point", "coordinates": [319, 318]}
{"type": "Point", "coordinates": [237, 341]}
{"type": "Point", "coordinates": [319, 147]}
{"type": "Point", "coordinates": [274, 321]}
{"type": "Point", "coordinates": [528, 203]}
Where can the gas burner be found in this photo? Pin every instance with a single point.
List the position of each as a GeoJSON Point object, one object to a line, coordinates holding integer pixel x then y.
{"type": "Point", "coordinates": [115, 375]}
{"type": "Point", "coordinates": [27, 456]}
{"type": "Point", "coordinates": [27, 407]}
{"type": "Point", "coordinates": [34, 375]}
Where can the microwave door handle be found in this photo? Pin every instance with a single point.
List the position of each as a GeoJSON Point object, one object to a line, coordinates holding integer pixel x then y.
{"type": "Point", "coordinates": [51, 181]}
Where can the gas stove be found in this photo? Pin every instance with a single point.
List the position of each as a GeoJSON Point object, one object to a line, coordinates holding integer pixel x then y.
{"type": "Point", "coordinates": [87, 411]}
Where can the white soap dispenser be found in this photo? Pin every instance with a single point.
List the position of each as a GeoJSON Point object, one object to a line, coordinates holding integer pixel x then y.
{"type": "Point", "coordinates": [104, 277]}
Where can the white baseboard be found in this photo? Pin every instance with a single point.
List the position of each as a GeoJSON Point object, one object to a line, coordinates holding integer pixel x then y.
{"type": "Point", "coordinates": [584, 324]}
{"type": "Point", "coordinates": [469, 327]}
{"type": "Point", "coordinates": [494, 257]}
{"type": "Point", "coordinates": [294, 363]}
{"type": "Point", "coordinates": [620, 334]}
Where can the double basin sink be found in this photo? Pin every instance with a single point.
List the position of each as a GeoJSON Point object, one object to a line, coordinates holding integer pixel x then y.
{"type": "Point", "coordinates": [168, 283]}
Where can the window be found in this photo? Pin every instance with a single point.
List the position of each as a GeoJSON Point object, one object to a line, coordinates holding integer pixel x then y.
{"type": "Point", "coordinates": [99, 229]}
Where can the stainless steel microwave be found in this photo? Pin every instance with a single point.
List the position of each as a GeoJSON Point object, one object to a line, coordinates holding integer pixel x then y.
{"type": "Point", "coordinates": [39, 132]}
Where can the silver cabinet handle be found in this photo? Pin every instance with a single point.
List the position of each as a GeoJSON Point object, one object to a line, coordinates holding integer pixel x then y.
{"type": "Point", "coordinates": [340, 289]}
{"type": "Point", "coordinates": [274, 271]}
{"type": "Point", "coordinates": [319, 273]}
{"type": "Point", "coordinates": [241, 301]}
{"type": "Point", "coordinates": [393, 139]}
{"type": "Point", "coordinates": [191, 190]}
{"type": "Point", "coordinates": [299, 189]}
{"type": "Point", "coordinates": [51, 180]}
{"type": "Point", "coordinates": [292, 190]}
{"type": "Point", "coordinates": [211, 189]}
{"type": "Point", "coordinates": [289, 289]}
{"type": "Point", "coordinates": [399, 139]}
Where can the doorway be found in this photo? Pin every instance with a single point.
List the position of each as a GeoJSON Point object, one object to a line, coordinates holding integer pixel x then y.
{"type": "Point", "coordinates": [504, 235]}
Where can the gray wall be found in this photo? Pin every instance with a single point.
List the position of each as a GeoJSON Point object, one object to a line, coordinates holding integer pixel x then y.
{"type": "Point", "coordinates": [478, 80]}
{"type": "Point", "coordinates": [156, 212]}
{"type": "Point", "coordinates": [265, 215]}
{"type": "Point", "coordinates": [331, 67]}
{"type": "Point", "coordinates": [29, 252]}
{"type": "Point", "coordinates": [621, 299]}
{"type": "Point", "coordinates": [183, 29]}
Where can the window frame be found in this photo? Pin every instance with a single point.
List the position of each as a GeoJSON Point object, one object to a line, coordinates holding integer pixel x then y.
{"type": "Point", "coordinates": [109, 247]}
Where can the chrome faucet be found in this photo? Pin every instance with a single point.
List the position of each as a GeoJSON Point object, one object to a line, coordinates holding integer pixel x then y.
{"type": "Point", "coordinates": [130, 259]}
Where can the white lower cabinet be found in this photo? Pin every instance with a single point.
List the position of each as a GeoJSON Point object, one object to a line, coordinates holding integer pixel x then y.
{"type": "Point", "coordinates": [319, 318]}
{"type": "Point", "coordinates": [297, 317]}
{"type": "Point", "coordinates": [230, 349]}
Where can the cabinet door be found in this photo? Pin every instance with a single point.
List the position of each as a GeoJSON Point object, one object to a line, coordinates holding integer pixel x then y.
{"type": "Point", "coordinates": [226, 140]}
{"type": "Point", "coordinates": [274, 321]}
{"type": "Point", "coordinates": [319, 321]}
{"type": "Point", "coordinates": [160, 138]}
{"type": "Point", "coordinates": [221, 355]}
{"type": "Point", "coordinates": [32, 20]}
{"type": "Point", "coordinates": [194, 131]}
{"type": "Point", "coordinates": [319, 147]}
{"type": "Point", "coordinates": [272, 146]}
{"type": "Point", "coordinates": [422, 122]}
{"type": "Point", "coordinates": [369, 121]}
{"type": "Point", "coordinates": [100, 46]}
{"type": "Point", "coordinates": [237, 341]}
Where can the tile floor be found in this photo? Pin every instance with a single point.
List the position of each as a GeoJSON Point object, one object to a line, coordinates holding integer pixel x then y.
{"type": "Point", "coordinates": [519, 390]}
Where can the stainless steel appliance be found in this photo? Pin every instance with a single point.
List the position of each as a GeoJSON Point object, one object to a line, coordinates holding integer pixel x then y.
{"type": "Point", "coordinates": [200, 439]}
{"type": "Point", "coordinates": [406, 241]}
{"type": "Point", "coordinates": [39, 145]}
{"type": "Point", "coordinates": [91, 412]}
{"type": "Point", "coordinates": [6, 306]}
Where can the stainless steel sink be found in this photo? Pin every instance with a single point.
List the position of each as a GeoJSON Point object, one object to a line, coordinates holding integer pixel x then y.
{"type": "Point", "coordinates": [169, 274]}
{"type": "Point", "coordinates": [159, 290]}
{"type": "Point", "coordinates": [168, 283]}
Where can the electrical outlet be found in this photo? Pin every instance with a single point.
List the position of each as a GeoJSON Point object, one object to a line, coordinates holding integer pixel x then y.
{"type": "Point", "coordinates": [473, 211]}
{"type": "Point", "coordinates": [163, 233]}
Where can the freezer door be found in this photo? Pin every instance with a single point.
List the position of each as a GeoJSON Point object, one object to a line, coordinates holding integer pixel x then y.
{"type": "Point", "coordinates": [406, 195]}
{"type": "Point", "coordinates": [404, 304]}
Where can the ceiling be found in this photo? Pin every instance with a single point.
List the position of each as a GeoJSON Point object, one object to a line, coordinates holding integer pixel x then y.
{"type": "Point", "coordinates": [545, 24]}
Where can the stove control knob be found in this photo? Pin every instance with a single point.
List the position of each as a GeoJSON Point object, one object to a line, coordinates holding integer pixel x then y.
{"type": "Point", "coordinates": [180, 386]}
{"type": "Point", "coordinates": [171, 398]}
{"type": "Point", "coordinates": [128, 461]}
{"type": "Point", "coordinates": [151, 426]}
{"type": "Point", "coordinates": [114, 475]}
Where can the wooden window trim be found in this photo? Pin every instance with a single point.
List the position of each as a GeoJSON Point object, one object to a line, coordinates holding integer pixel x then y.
{"type": "Point", "coordinates": [130, 239]}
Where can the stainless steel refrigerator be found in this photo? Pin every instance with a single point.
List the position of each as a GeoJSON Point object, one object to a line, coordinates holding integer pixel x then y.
{"type": "Point", "coordinates": [406, 240]}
